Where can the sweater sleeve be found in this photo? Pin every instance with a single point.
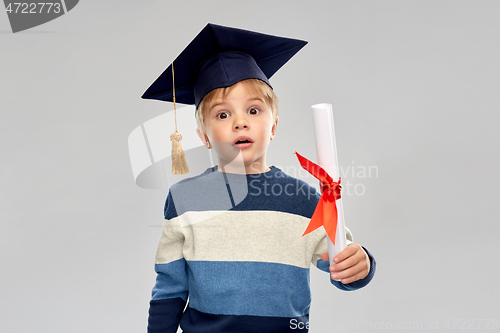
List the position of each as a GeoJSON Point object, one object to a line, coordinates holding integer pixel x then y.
{"type": "Point", "coordinates": [170, 293]}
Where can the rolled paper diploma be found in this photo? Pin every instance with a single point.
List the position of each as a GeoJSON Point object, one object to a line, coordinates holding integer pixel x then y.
{"type": "Point", "coordinates": [326, 151]}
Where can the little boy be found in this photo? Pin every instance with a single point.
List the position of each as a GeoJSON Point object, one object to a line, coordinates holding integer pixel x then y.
{"type": "Point", "coordinates": [232, 237]}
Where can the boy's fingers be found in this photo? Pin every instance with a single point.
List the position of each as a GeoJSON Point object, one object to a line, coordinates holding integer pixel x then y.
{"type": "Point", "coordinates": [351, 279]}
{"type": "Point", "coordinates": [345, 274]}
{"type": "Point", "coordinates": [351, 274]}
{"type": "Point", "coordinates": [325, 257]}
{"type": "Point", "coordinates": [349, 262]}
{"type": "Point", "coordinates": [358, 258]}
{"type": "Point", "coordinates": [347, 252]}
{"type": "Point", "coordinates": [359, 272]}
{"type": "Point", "coordinates": [350, 265]}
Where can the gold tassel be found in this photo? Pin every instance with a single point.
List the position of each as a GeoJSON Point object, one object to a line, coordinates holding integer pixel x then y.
{"type": "Point", "coordinates": [179, 164]}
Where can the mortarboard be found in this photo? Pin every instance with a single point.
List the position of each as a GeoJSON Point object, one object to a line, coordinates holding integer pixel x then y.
{"type": "Point", "coordinates": [218, 57]}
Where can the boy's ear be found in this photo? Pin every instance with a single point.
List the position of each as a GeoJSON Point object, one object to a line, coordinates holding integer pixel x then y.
{"type": "Point", "coordinates": [273, 129]}
{"type": "Point", "coordinates": [203, 137]}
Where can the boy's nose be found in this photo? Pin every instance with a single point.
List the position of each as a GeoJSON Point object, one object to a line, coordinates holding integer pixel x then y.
{"type": "Point", "coordinates": [240, 123]}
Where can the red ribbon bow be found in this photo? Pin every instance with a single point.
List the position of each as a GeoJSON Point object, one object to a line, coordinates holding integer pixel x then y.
{"type": "Point", "coordinates": [325, 213]}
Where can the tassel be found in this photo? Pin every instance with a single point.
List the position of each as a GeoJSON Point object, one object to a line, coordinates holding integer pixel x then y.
{"type": "Point", "coordinates": [179, 164]}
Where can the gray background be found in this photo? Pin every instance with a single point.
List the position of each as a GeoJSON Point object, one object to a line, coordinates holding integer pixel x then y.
{"type": "Point", "coordinates": [414, 86]}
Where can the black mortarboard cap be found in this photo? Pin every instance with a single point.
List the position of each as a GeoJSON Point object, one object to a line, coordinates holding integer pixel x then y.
{"type": "Point", "coordinates": [220, 57]}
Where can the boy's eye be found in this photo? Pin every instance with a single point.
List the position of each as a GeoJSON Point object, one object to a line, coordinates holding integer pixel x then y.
{"type": "Point", "coordinates": [222, 115]}
{"type": "Point", "coordinates": [253, 111]}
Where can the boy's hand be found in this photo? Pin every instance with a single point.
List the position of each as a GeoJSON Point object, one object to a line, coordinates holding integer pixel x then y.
{"type": "Point", "coordinates": [351, 264]}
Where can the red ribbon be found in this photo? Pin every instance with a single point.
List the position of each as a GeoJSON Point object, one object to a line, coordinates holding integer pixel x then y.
{"type": "Point", "coordinates": [325, 213]}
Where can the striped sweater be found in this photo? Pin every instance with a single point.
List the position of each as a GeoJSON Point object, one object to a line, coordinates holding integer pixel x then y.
{"type": "Point", "coordinates": [233, 245]}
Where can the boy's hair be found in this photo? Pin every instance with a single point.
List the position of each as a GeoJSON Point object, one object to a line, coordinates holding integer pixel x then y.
{"type": "Point", "coordinates": [254, 85]}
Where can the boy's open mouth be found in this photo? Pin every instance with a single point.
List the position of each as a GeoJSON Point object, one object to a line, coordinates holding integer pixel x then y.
{"type": "Point", "coordinates": [243, 142]}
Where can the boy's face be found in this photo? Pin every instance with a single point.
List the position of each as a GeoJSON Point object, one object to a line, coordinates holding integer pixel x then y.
{"type": "Point", "coordinates": [240, 122]}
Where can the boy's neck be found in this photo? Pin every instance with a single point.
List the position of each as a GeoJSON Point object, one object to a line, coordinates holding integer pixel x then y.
{"type": "Point", "coordinates": [243, 169]}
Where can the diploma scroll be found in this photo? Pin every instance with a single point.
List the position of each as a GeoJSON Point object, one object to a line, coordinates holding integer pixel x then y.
{"type": "Point", "coordinates": [326, 151]}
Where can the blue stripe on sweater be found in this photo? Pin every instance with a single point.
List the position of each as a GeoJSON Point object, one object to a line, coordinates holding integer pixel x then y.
{"type": "Point", "coordinates": [249, 288]}
{"type": "Point", "coordinates": [171, 280]}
